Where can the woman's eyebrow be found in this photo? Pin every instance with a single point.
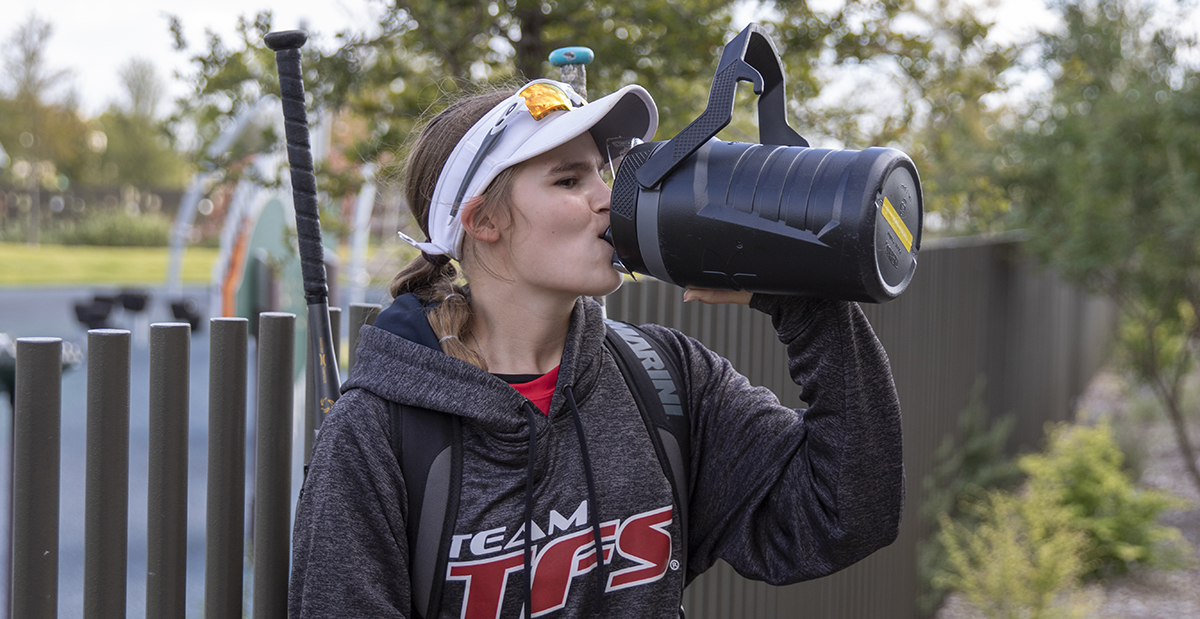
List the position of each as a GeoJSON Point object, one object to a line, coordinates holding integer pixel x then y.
{"type": "Point", "coordinates": [575, 165]}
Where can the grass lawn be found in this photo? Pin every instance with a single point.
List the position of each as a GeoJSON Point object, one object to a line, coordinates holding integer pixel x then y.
{"type": "Point", "coordinates": [25, 265]}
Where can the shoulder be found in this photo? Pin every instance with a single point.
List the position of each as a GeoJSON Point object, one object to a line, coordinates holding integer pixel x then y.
{"type": "Point", "coordinates": [676, 343]}
{"type": "Point", "coordinates": [358, 422]}
{"type": "Point", "coordinates": [357, 408]}
{"type": "Point", "coordinates": [696, 364]}
{"type": "Point", "coordinates": [353, 468]}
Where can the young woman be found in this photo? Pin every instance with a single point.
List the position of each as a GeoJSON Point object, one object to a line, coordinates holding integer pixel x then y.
{"type": "Point", "coordinates": [510, 186]}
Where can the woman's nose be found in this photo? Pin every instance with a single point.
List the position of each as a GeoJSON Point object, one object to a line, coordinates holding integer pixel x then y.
{"type": "Point", "coordinates": [602, 197]}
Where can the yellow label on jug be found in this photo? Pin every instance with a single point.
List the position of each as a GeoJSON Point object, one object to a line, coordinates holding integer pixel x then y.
{"type": "Point", "coordinates": [897, 224]}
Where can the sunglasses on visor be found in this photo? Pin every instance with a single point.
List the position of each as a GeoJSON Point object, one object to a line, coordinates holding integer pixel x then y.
{"type": "Point", "coordinates": [540, 99]}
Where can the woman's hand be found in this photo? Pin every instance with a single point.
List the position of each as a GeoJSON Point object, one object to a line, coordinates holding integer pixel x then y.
{"type": "Point", "coordinates": [715, 297]}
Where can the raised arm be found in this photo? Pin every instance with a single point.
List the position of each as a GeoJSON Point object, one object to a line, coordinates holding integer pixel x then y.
{"type": "Point", "coordinates": [787, 495]}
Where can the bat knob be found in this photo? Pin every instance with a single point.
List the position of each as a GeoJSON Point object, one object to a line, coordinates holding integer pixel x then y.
{"type": "Point", "coordinates": [571, 55]}
{"type": "Point", "coordinates": [286, 39]}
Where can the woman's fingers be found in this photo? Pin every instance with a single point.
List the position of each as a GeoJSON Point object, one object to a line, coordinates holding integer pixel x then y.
{"type": "Point", "coordinates": [714, 297]}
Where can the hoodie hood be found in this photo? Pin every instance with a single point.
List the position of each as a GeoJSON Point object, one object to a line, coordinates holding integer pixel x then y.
{"type": "Point", "coordinates": [398, 359]}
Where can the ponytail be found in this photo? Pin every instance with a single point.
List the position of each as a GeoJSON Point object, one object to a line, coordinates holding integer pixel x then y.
{"type": "Point", "coordinates": [448, 304]}
{"type": "Point", "coordinates": [448, 308]}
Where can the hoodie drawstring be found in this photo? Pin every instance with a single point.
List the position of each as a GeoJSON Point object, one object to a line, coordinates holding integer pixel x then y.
{"type": "Point", "coordinates": [529, 511]}
{"type": "Point", "coordinates": [593, 503]}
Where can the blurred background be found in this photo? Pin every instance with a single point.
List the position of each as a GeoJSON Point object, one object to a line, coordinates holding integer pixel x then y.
{"type": "Point", "coordinates": [140, 181]}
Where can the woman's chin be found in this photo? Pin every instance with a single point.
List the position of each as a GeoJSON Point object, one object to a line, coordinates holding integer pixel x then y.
{"type": "Point", "coordinates": [603, 288]}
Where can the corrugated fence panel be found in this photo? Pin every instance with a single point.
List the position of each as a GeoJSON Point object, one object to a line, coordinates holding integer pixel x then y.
{"type": "Point", "coordinates": [976, 311]}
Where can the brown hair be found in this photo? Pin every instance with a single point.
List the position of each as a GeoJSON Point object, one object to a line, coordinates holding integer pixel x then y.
{"type": "Point", "coordinates": [449, 308]}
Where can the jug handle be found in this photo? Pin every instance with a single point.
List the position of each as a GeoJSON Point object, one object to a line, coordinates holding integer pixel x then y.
{"type": "Point", "coordinates": [751, 57]}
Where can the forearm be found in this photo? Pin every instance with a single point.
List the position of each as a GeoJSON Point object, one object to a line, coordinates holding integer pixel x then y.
{"type": "Point", "coordinates": [851, 455]}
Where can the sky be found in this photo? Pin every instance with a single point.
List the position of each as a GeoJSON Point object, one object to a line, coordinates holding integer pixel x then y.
{"type": "Point", "coordinates": [94, 44]}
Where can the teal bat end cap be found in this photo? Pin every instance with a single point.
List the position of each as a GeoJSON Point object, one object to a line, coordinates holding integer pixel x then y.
{"type": "Point", "coordinates": [571, 55]}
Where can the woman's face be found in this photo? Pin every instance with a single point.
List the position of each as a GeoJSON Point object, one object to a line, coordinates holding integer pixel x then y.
{"type": "Point", "coordinates": [560, 215]}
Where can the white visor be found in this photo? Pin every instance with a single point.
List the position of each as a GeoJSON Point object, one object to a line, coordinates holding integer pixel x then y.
{"type": "Point", "coordinates": [510, 134]}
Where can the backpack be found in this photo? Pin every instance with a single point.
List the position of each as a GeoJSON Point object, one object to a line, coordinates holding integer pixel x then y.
{"type": "Point", "coordinates": [428, 446]}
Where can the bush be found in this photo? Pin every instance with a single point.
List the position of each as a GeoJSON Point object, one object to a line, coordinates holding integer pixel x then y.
{"type": "Point", "coordinates": [965, 468]}
{"type": "Point", "coordinates": [1081, 471]}
{"type": "Point", "coordinates": [1078, 516]}
{"type": "Point", "coordinates": [118, 229]}
{"type": "Point", "coordinates": [1021, 560]}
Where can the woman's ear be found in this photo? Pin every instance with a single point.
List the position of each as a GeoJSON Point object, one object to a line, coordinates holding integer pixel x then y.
{"type": "Point", "coordinates": [479, 225]}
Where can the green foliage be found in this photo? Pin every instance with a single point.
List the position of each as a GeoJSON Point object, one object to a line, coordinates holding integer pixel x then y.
{"type": "Point", "coordinates": [226, 81]}
{"type": "Point", "coordinates": [1022, 559]}
{"type": "Point", "coordinates": [1108, 164]}
{"type": "Point", "coordinates": [389, 76]}
{"type": "Point", "coordinates": [1078, 516]}
{"type": "Point", "coordinates": [966, 467]}
{"type": "Point", "coordinates": [134, 147]}
{"type": "Point", "coordinates": [54, 147]}
{"type": "Point", "coordinates": [975, 462]}
{"type": "Point", "coordinates": [1155, 343]}
{"type": "Point", "coordinates": [47, 143]}
{"type": "Point", "coordinates": [116, 228]}
{"type": "Point", "coordinates": [139, 152]}
{"type": "Point", "coordinates": [1106, 170]}
{"type": "Point", "coordinates": [931, 71]}
{"type": "Point", "coordinates": [1081, 472]}
{"type": "Point", "coordinates": [423, 51]}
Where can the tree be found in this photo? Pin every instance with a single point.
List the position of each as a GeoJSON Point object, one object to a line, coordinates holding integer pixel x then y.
{"type": "Point", "coordinates": [137, 148]}
{"type": "Point", "coordinates": [386, 79]}
{"type": "Point", "coordinates": [142, 86]}
{"type": "Point", "coordinates": [25, 61]}
{"type": "Point", "coordinates": [126, 144]}
{"type": "Point", "coordinates": [1106, 170]}
{"type": "Point", "coordinates": [422, 51]}
{"type": "Point", "coordinates": [50, 146]}
{"type": "Point", "coordinates": [921, 79]}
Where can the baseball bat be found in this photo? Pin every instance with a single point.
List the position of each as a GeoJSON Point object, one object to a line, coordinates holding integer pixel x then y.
{"type": "Point", "coordinates": [327, 383]}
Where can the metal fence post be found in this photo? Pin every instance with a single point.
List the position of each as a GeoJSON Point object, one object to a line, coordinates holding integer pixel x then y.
{"type": "Point", "coordinates": [360, 314]}
{"type": "Point", "coordinates": [106, 506]}
{"type": "Point", "coordinates": [273, 477]}
{"type": "Point", "coordinates": [335, 323]}
{"type": "Point", "coordinates": [166, 522]}
{"type": "Point", "coordinates": [225, 524]}
{"type": "Point", "coordinates": [37, 426]}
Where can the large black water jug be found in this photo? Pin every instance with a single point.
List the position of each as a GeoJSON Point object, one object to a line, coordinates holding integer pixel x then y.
{"type": "Point", "coordinates": [777, 217]}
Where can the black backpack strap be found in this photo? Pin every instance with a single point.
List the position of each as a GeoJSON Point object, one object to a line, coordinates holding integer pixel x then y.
{"type": "Point", "coordinates": [428, 446]}
{"type": "Point", "coordinates": [655, 379]}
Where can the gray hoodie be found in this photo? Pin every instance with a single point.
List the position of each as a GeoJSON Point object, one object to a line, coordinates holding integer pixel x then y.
{"type": "Point", "coordinates": [782, 495]}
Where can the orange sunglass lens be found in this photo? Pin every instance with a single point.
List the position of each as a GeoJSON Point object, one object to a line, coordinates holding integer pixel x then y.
{"type": "Point", "coordinates": [541, 99]}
